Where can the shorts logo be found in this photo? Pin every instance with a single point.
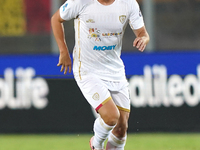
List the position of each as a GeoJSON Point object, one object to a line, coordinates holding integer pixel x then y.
{"type": "Point", "coordinates": [122, 18]}
{"type": "Point", "coordinates": [95, 96]}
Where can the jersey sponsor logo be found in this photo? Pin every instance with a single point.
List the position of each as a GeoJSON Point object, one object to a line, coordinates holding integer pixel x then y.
{"type": "Point", "coordinates": [97, 34]}
{"type": "Point", "coordinates": [122, 18]}
{"type": "Point", "coordinates": [103, 48]}
{"type": "Point", "coordinates": [65, 6]}
{"type": "Point", "coordinates": [111, 34]}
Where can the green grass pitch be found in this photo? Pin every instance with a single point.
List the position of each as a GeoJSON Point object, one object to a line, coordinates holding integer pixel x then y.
{"type": "Point", "coordinates": [142, 141]}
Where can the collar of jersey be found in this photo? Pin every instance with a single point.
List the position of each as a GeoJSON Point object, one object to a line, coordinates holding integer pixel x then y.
{"type": "Point", "coordinates": [106, 5]}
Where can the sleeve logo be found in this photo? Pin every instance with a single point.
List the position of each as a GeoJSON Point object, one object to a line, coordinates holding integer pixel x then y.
{"type": "Point", "coordinates": [65, 6]}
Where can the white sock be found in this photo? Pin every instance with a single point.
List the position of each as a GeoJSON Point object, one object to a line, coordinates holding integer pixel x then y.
{"type": "Point", "coordinates": [115, 143]}
{"type": "Point", "coordinates": [101, 132]}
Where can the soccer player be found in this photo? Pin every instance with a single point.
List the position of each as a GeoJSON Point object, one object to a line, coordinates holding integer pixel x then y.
{"type": "Point", "coordinates": [97, 66]}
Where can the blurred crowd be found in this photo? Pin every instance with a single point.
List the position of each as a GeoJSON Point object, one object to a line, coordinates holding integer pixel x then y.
{"type": "Point", "coordinates": [25, 26]}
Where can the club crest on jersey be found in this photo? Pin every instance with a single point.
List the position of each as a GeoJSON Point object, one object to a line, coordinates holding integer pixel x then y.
{"type": "Point", "coordinates": [122, 18]}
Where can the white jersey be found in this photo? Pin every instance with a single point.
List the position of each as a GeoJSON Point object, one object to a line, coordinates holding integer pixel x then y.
{"type": "Point", "coordinates": [99, 30]}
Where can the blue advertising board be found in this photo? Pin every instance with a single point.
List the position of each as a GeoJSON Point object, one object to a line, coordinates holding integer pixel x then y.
{"type": "Point", "coordinates": [45, 65]}
{"type": "Point", "coordinates": [164, 92]}
{"type": "Point", "coordinates": [181, 63]}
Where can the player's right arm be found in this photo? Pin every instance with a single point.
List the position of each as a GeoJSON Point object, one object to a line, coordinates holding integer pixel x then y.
{"type": "Point", "coordinates": [58, 31]}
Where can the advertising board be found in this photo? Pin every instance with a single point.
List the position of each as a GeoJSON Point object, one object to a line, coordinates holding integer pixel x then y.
{"type": "Point", "coordinates": [35, 97]}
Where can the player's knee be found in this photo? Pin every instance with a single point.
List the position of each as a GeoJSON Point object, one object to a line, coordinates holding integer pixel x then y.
{"type": "Point", "coordinates": [112, 118]}
{"type": "Point", "coordinates": [121, 129]}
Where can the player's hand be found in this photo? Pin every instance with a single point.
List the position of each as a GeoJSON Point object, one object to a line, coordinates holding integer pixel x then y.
{"type": "Point", "coordinates": [140, 43]}
{"type": "Point", "coordinates": [65, 62]}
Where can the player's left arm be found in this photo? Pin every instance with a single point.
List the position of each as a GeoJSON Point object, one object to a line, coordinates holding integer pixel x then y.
{"type": "Point", "coordinates": [142, 38]}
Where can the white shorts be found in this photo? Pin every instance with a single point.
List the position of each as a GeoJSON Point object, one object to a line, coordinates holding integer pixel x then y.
{"type": "Point", "coordinates": [97, 92]}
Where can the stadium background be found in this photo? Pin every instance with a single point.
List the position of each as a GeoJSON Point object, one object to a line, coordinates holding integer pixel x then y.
{"type": "Point", "coordinates": [36, 98]}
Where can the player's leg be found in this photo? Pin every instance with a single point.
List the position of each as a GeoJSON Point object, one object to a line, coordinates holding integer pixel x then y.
{"type": "Point", "coordinates": [109, 113]}
{"type": "Point", "coordinates": [98, 96]}
{"type": "Point", "coordinates": [117, 138]}
{"type": "Point", "coordinates": [103, 125]}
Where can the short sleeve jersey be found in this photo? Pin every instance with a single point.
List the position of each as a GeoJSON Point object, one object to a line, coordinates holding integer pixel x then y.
{"type": "Point", "coordinates": [99, 30]}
